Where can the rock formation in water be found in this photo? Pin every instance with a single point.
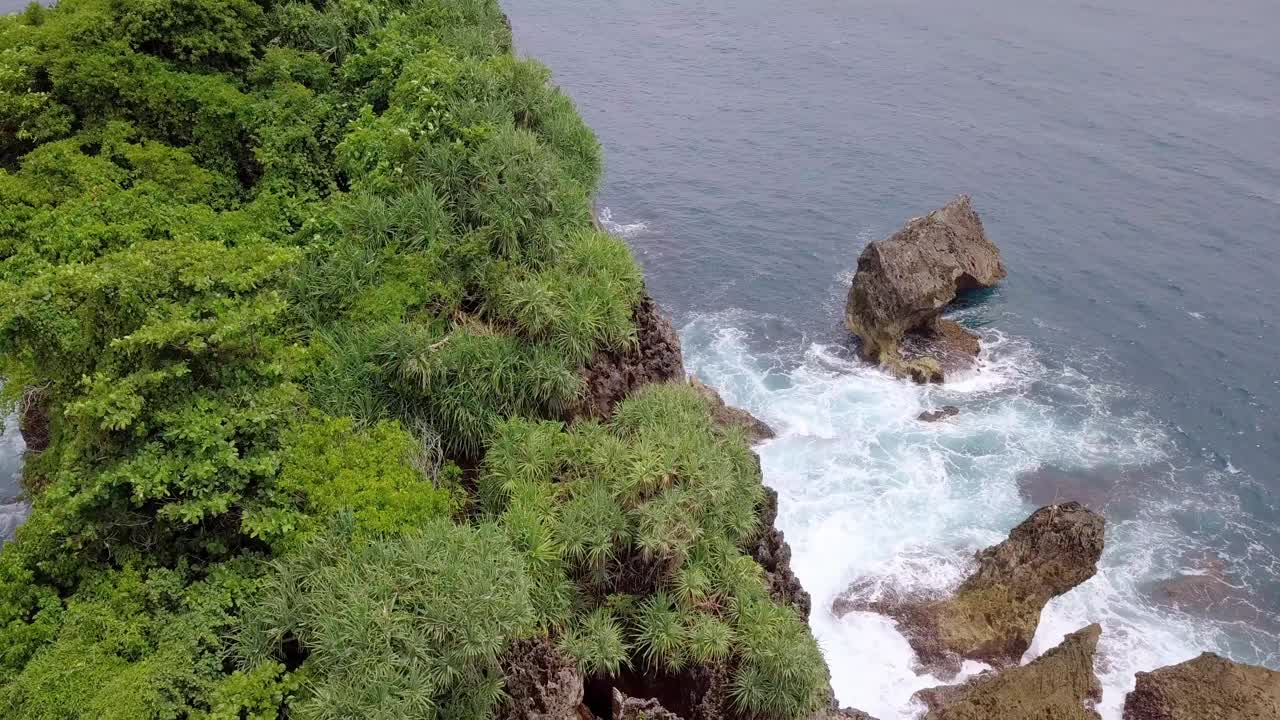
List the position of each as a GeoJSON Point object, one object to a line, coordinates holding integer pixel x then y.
{"type": "Point", "coordinates": [756, 429]}
{"type": "Point", "coordinates": [1059, 685]}
{"type": "Point", "coordinates": [610, 377]}
{"type": "Point", "coordinates": [941, 413]}
{"type": "Point", "coordinates": [993, 615]}
{"type": "Point", "coordinates": [1208, 687]}
{"type": "Point", "coordinates": [903, 284]}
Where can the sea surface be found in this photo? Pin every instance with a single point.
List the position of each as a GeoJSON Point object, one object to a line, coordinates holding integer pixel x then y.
{"type": "Point", "coordinates": [1125, 155]}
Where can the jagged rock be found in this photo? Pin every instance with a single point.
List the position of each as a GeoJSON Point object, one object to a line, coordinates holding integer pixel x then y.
{"type": "Point", "coordinates": [609, 377]}
{"type": "Point", "coordinates": [629, 708]}
{"type": "Point", "coordinates": [771, 551]}
{"type": "Point", "coordinates": [729, 416]}
{"type": "Point", "coordinates": [1059, 685]}
{"type": "Point", "coordinates": [1208, 687]}
{"type": "Point", "coordinates": [903, 284]}
{"type": "Point", "coordinates": [699, 692]}
{"type": "Point", "coordinates": [993, 615]}
{"type": "Point", "coordinates": [941, 413]}
{"type": "Point", "coordinates": [33, 421]}
{"type": "Point", "coordinates": [541, 684]}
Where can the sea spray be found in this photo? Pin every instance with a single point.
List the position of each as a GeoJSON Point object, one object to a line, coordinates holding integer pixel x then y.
{"type": "Point", "coordinates": [868, 491]}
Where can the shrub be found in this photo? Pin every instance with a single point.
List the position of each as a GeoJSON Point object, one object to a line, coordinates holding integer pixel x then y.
{"type": "Point", "coordinates": [648, 515]}
{"type": "Point", "coordinates": [406, 627]}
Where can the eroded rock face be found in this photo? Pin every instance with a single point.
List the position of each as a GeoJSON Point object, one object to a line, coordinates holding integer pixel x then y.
{"type": "Point", "coordinates": [992, 616]}
{"type": "Point", "coordinates": [629, 708]}
{"type": "Point", "coordinates": [771, 550]}
{"type": "Point", "coordinates": [1206, 688]}
{"type": "Point", "coordinates": [1059, 685]}
{"type": "Point", "coordinates": [903, 284]}
{"type": "Point", "coordinates": [541, 684]}
{"type": "Point", "coordinates": [610, 376]}
{"type": "Point", "coordinates": [726, 415]}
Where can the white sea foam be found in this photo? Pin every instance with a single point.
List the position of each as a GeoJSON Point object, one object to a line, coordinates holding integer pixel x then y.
{"type": "Point", "coordinates": [866, 490]}
{"type": "Point", "coordinates": [623, 230]}
{"type": "Point", "coordinates": [12, 510]}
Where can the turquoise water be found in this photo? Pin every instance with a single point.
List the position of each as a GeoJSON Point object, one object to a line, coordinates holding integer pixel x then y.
{"type": "Point", "coordinates": [1124, 157]}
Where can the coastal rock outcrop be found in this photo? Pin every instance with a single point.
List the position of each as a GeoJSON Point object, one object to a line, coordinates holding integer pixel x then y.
{"type": "Point", "coordinates": [610, 376]}
{"type": "Point", "coordinates": [993, 615]}
{"type": "Point", "coordinates": [1059, 684]}
{"type": "Point", "coordinates": [1208, 687]}
{"type": "Point", "coordinates": [903, 283]}
{"type": "Point", "coordinates": [771, 551]}
{"type": "Point", "coordinates": [727, 415]}
{"type": "Point", "coordinates": [541, 684]}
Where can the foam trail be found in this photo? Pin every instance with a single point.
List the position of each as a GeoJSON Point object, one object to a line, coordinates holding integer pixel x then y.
{"type": "Point", "coordinates": [866, 490]}
{"type": "Point", "coordinates": [623, 230]}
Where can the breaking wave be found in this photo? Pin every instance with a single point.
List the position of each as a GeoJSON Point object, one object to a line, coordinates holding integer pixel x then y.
{"type": "Point", "coordinates": [867, 490]}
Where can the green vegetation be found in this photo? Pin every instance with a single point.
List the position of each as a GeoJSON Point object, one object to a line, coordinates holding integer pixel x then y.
{"type": "Point", "coordinates": [280, 270]}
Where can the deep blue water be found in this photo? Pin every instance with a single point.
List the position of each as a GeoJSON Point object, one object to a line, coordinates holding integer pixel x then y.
{"type": "Point", "coordinates": [1126, 158]}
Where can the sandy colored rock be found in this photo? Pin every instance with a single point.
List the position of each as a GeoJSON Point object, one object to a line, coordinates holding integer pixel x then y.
{"type": "Point", "coordinates": [610, 377]}
{"type": "Point", "coordinates": [1208, 687]}
{"type": "Point", "coordinates": [903, 284]}
{"type": "Point", "coordinates": [993, 615]}
{"type": "Point", "coordinates": [1059, 685]}
{"type": "Point", "coordinates": [726, 415]}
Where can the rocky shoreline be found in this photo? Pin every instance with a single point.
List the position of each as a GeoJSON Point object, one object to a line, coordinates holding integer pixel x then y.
{"type": "Point", "coordinates": [895, 306]}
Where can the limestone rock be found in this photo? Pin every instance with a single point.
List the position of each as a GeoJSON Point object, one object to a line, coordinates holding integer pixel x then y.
{"type": "Point", "coordinates": [629, 708]}
{"type": "Point", "coordinates": [726, 415]}
{"type": "Point", "coordinates": [1059, 685]}
{"type": "Point", "coordinates": [1208, 687]}
{"type": "Point", "coordinates": [903, 283]}
{"type": "Point", "coordinates": [941, 413]}
{"type": "Point", "coordinates": [541, 684]}
{"type": "Point", "coordinates": [609, 377]}
{"type": "Point", "coordinates": [993, 615]}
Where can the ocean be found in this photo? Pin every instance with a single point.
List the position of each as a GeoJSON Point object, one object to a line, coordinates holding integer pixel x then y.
{"type": "Point", "coordinates": [1125, 156]}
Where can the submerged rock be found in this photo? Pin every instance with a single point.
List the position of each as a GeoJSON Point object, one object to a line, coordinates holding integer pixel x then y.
{"type": "Point", "coordinates": [992, 616]}
{"type": "Point", "coordinates": [941, 413]}
{"type": "Point", "coordinates": [1208, 687]}
{"type": "Point", "coordinates": [610, 377]}
{"type": "Point", "coordinates": [903, 284]}
{"type": "Point", "coordinates": [1059, 685]}
{"type": "Point", "coordinates": [541, 684]}
{"type": "Point", "coordinates": [726, 415]}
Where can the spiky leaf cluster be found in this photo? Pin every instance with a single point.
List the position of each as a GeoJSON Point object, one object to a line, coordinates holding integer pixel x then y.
{"type": "Point", "coordinates": [410, 626]}
{"type": "Point", "coordinates": [648, 515]}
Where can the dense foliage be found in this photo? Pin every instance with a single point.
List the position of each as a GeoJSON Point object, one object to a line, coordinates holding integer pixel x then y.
{"type": "Point", "coordinates": [277, 270]}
